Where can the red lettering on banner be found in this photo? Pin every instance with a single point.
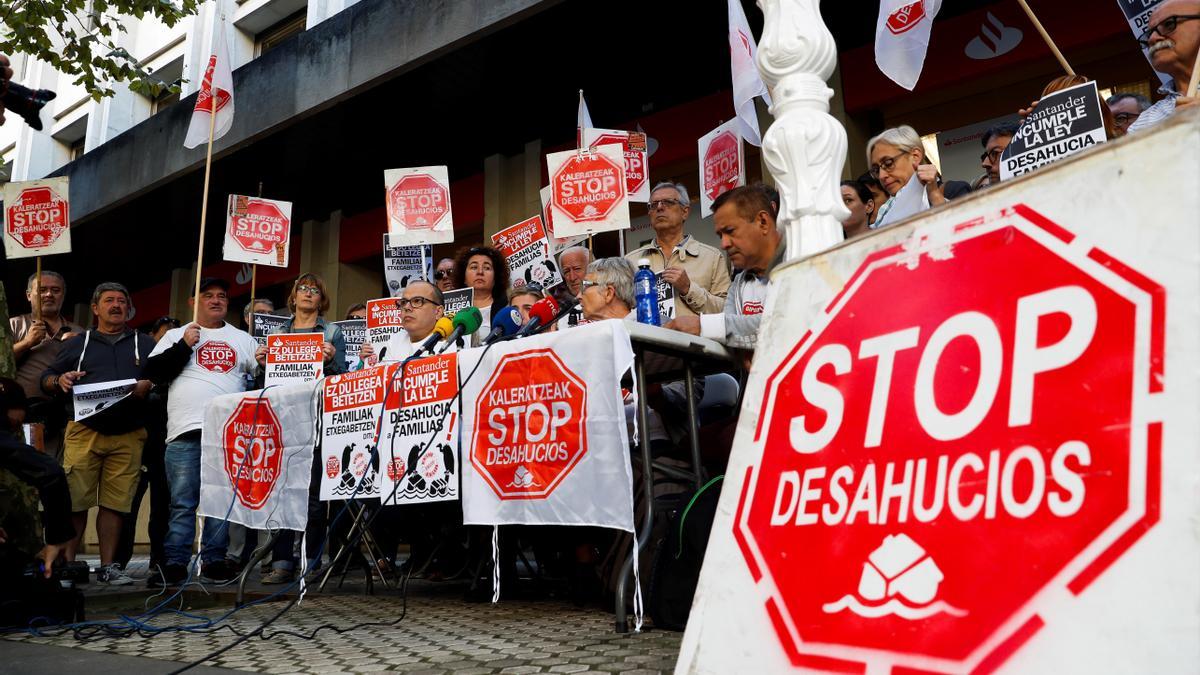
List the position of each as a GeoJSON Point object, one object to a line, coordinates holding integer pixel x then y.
{"type": "Point", "coordinates": [253, 442]}
{"type": "Point", "coordinates": [356, 389]}
{"type": "Point", "coordinates": [906, 18]}
{"type": "Point", "coordinates": [36, 218]}
{"type": "Point", "coordinates": [929, 449]}
{"type": "Point", "coordinates": [426, 380]}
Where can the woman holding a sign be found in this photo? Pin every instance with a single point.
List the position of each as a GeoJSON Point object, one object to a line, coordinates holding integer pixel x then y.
{"type": "Point", "coordinates": [484, 270]}
{"type": "Point", "coordinates": [897, 160]}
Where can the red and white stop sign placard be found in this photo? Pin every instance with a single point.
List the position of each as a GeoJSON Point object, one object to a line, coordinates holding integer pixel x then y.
{"type": "Point", "coordinates": [418, 206]}
{"type": "Point", "coordinates": [633, 146]}
{"type": "Point", "coordinates": [588, 192]}
{"type": "Point", "coordinates": [953, 447]}
{"type": "Point", "coordinates": [258, 231]}
{"type": "Point", "coordinates": [253, 444]}
{"type": "Point", "coordinates": [722, 164]}
{"type": "Point", "coordinates": [36, 218]}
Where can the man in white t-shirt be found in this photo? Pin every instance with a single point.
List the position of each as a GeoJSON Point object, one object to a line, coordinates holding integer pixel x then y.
{"type": "Point", "coordinates": [201, 360]}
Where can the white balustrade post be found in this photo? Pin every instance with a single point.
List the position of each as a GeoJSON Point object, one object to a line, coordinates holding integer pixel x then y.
{"type": "Point", "coordinates": [805, 148]}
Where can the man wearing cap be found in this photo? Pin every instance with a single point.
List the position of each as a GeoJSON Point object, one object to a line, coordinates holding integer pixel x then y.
{"type": "Point", "coordinates": [201, 360]}
{"type": "Point", "coordinates": [102, 449]}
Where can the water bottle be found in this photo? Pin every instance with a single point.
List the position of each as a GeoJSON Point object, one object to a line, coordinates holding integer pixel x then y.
{"type": "Point", "coordinates": [645, 289]}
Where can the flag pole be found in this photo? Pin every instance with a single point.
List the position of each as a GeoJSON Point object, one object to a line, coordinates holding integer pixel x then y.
{"type": "Point", "coordinates": [1046, 36]}
{"type": "Point", "coordinates": [1195, 81]}
{"type": "Point", "coordinates": [212, 124]}
{"type": "Point", "coordinates": [254, 266]}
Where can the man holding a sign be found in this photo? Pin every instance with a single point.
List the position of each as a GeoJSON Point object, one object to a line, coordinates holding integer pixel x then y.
{"type": "Point", "coordinates": [101, 377]}
{"type": "Point", "coordinates": [1173, 42]}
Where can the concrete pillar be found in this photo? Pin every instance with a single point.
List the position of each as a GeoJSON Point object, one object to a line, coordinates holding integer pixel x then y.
{"type": "Point", "coordinates": [510, 188]}
{"type": "Point", "coordinates": [857, 131]}
{"type": "Point", "coordinates": [182, 279]}
{"type": "Point", "coordinates": [319, 253]}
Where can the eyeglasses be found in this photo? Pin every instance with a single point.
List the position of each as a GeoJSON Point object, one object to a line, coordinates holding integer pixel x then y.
{"type": "Point", "coordinates": [1124, 119]}
{"type": "Point", "coordinates": [663, 203]}
{"type": "Point", "coordinates": [416, 303]}
{"type": "Point", "coordinates": [308, 289]}
{"type": "Point", "coordinates": [443, 274]}
{"type": "Point", "coordinates": [885, 164]}
{"type": "Point", "coordinates": [1165, 27]}
{"type": "Point", "coordinates": [991, 155]}
{"type": "Point", "coordinates": [585, 284]}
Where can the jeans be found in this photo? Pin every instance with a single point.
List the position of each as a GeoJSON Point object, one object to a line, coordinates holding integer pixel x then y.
{"type": "Point", "coordinates": [183, 474]}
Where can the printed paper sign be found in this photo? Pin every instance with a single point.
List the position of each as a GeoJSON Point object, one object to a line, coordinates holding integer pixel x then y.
{"type": "Point", "coordinates": [418, 206]}
{"type": "Point", "coordinates": [383, 321]}
{"type": "Point", "coordinates": [557, 244]}
{"type": "Point", "coordinates": [257, 231]}
{"type": "Point", "coordinates": [666, 299]}
{"type": "Point", "coordinates": [93, 398]}
{"type": "Point", "coordinates": [262, 325]}
{"type": "Point", "coordinates": [527, 249]}
{"type": "Point", "coordinates": [419, 443]}
{"type": "Point", "coordinates": [294, 357]}
{"type": "Point", "coordinates": [457, 300]}
{"type": "Point", "coordinates": [722, 164]}
{"type": "Point", "coordinates": [351, 405]}
{"type": "Point", "coordinates": [587, 191]}
{"type": "Point", "coordinates": [1063, 124]}
{"type": "Point", "coordinates": [1137, 13]}
{"type": "Point", "coordinates": [405, 264]}
{"type": "Point", "coordinates": [633, 147]}
{"type": "Point", "coordinates": [354, 332]}
{"type": "Point", "coordinates": [37, 218]}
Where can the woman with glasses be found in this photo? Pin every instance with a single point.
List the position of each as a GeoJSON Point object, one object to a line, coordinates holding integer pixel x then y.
{"type": "Point", "coordinates": [485, 270]}
{"type": "Point", "coordinates": [897, 159]}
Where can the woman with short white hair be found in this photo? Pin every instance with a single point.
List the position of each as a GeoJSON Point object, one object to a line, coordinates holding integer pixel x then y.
{"type": "Point", "coordinates": [897, 159]}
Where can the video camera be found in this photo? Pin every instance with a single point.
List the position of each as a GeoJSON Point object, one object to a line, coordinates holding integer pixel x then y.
{"type": "Point", "coordinates": [27, 103]}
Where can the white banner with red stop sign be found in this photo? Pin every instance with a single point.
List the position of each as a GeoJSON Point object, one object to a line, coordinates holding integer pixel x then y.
{"type": "Point", "coordinates": [722, 163]}
{"type": "Point", "coordinates": [588, 193]}
{"type": "Point", "coordinates": [257, 231]}
{"type": "Point", "coordinates": [557, 244]}
{"type": "Point", "coordinates": [544, 430]}
{"type": "Point", "coordinates": [968, 443]}
{"type": "Point", "coordinates": [37, 218]}
{"type": "Point", "coordinates": [256, 456]}
{"type": "Point", "coordinates": [418, 206]}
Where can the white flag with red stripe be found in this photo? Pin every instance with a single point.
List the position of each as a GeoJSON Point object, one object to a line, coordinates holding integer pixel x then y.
{"type": "Point", "coordinates": [216, 89]}
{"type": "Point", "coordinates": [747, 83]}
{"type": "Point", "coordinates": [902, 38]}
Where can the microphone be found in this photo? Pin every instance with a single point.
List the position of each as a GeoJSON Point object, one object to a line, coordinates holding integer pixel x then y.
{"type": "Point", "coordinates": [506, 322]}
{"type": "Point", "coordinates": [466, 321]}
{"type": "Point", "coordinates": [542, 313]}
{"type": "Point", "coordinates": [440, 330]}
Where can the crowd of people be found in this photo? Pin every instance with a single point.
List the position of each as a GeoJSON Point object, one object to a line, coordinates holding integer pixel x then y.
{"type": "Point", "coordinates": [150, 439]}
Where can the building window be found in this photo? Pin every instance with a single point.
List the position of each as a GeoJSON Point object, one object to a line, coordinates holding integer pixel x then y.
{"type": "Point", "coordinates": [77, 148]}
{"type": "Point", "coordinates": [272, 36]}
{"type": "Point", "coordinates": [164, 100]}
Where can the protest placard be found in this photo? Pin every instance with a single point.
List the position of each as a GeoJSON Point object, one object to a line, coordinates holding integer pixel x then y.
{"type": "Point", "coordinates": [587, 190]}
{"type": "Point", "coordinates": [633, 147]}
{"type": "Point", "coordinates": [354, 332]}
{"type": "Point", "coordinates": [351, 405]}
{"type": "Point", "coordinates": [722, 163]}
{"type": "Point", "coordinates": [93, 398]}
{"type": "Point", "coordinates": [37, 219]}
{"type": "Point", "coordinates": [557, 244]}
{"type": "Point", "coordinates": [418, 206]}
{"type": "Point", "coordinates": [457, 300]}
{"type": "Point", "coordinates": [1063, 123]}
{"type": "Point", "coordinates": [666, 299]}
{"type": "Point", "coordinates": [405, 264]}
{"type": "Point", "coordinates": [257, 231]}
{"type": "Point", "coordinates": [527, 249]}
{"type": "Point", "coordinates": [383, 321]}
{"type": "Point", "coordinates": [294, 357]}
{"type": "Point", "coordinates": [262, 325]}
{"type": "Point", "coordinates": [419, 443]}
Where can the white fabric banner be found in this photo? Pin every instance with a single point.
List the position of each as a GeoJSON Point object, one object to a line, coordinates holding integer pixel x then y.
{"type": "Point", "coordinates": [544, 433]}
{"type": "Point", "coordinates": [218, 83]}
{"type": "Point", "coordinates": [747, 82]}
{"type": "Point", "coordinates": [256, 456]}
{"type": "Point", "coordinates": [902, 38]}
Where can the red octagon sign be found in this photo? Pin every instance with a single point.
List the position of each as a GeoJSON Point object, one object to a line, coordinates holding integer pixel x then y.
{"type": "Point", "coordinates": [529, 425]}
{"type": "Point", "coordinates": [906, 18]}
{"type": "Point", "coordinates": [418, 202]}
{"type": "Point", "coordinates": [635, 160]}
{"type": "Point", "coordinates": [722, 166]}
{"type": "Point", "coordinates": [961, 439]}
{"type": "Point", "coordinates": [253, 442]}
{"type": "Point", "coordinates": [261, 228]}
{"type": "Point", "coordinates": [216, 356]}
{"type": "Point", "coordinates": [36, 218]}
{"type": "Point", "coordinates": [587, 187]}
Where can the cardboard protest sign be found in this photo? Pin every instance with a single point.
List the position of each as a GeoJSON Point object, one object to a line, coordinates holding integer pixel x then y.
{"type": "Point", "coordinates": [262, 325]}
{"type": "Point", "coordinates": [1062, 124]}
{"type": "Point", "coordinates": [37, 219]}
{"type": "Point", "coordinates": [383, 321]}
{"type": "Point", "coordinates": [354, 332]}
{"type": "Point", "coordinates": [557, 244]}
{"type": "Point", "coordinates": [587, 190]}
{"type": "Point", "coordinates": [457, 300]}
{"type": "Point", "coordinates": [418, 206]}
{"type": "Point", "coordinates": [722, 163]}
{"type": "Point", "coordinates": [405, 264]}
{"type": "Point", "coordinates": [1137, 13]}
{"type": "Point", "coordinates": [93, 398]}
{"type": "Point", "coordinates": [633, 147]}
{"type": "Point", "coordinates": [257, 231]}
{"type": "Point", "coordinates": [419, 443]}
{"type": "Point", "coordinates": [294, 357]}
{"type": "Point", "coordinates": [350, 405]}
{"type": "Point", "coordinates": [527, 249]}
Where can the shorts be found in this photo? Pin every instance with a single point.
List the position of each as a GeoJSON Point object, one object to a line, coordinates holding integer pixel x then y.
{"type": "Point", "coordinates": [102, 469]}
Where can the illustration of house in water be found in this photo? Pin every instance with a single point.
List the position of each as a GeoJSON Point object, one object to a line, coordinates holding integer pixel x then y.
{"type": "Point", "coordinates": [900, 567]}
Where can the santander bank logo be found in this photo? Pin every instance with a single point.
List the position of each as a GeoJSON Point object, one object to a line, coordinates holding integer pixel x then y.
{"type": "Point", "coordinates": [994, 39]}
{"type": "Point", "coordinates": [906, 18]}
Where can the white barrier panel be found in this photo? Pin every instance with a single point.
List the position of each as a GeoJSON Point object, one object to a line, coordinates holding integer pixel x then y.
{"type": "Point", "coordinates": [968, 442]}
